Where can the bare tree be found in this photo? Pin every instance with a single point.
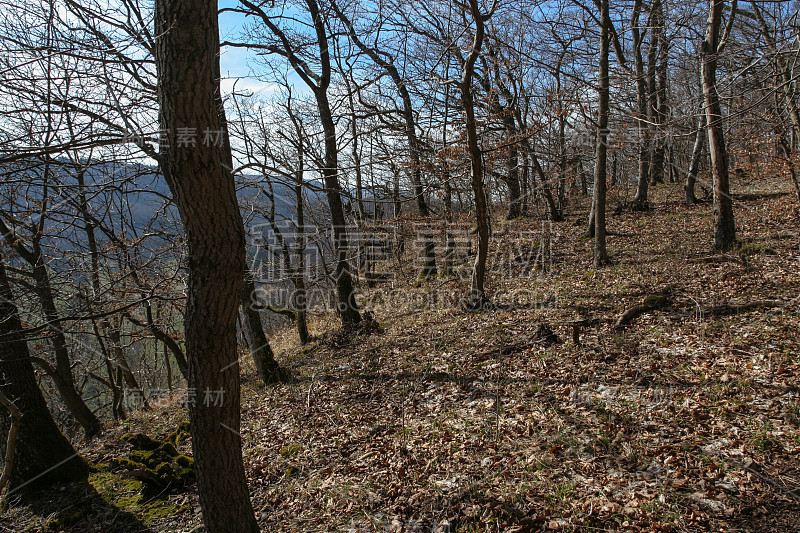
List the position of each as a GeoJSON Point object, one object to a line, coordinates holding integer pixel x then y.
{"type": "Point", "coordinates": [598, 218]}
{"type": "Point", "coordinates": [187, 56]}
{"type": "Point", "coordinates": [477, 292]}
{"type": "Point", "coordinates": [715, 40]}
{"type": "Point", "coordinates": [42, 455]}
{"type": "Point", "coordinates": [319, 83]}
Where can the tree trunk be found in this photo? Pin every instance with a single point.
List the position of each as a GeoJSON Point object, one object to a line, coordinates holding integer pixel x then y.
{"type": "Point", "coordinates": [477, 295]}
{"type": "Point", "coordinates": [642, 183]}
{"type": "Point", "coordinates": [694, 164]}
{"type": "Point", "coordinates": [187, 57]}
{"type": "Point", "coordinates": [657, 65]}
{"type": "Point", "coordinates": [601, 161]}
{"type": "Point", "coordinates": [724, 226]}
{"type": "Point", "coordinates": [61, 372]}
{"type": "Point", "coordinates": [300, 304]}
{"type": "Point", "coordinates": [119, 356]}
{"type": "Point", "coordinates": [513, 184]}
{"type": "Point", "coordinates": [348, 309]}
{"type": "Point", "coordinates": [264, 359]}
{"type": "Point", "coordinates": [43, 455]}
{"type": "Point", "coordinates": [553, 212]}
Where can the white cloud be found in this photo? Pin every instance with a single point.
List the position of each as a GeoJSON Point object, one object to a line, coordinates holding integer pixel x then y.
{"type": "Point", "coordinates": [248, 86]}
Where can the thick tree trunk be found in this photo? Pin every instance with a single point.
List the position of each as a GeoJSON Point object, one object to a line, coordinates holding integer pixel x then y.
{"type": "Point", "coordinates": [724, 226]}
{"type": "Point", "coordinates": [43, 455]}
{"type": "Point", "coordinates": [187, 56]}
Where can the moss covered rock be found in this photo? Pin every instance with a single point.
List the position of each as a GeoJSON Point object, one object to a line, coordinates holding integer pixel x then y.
{"type": "Point", "coordinates": [157, 464]}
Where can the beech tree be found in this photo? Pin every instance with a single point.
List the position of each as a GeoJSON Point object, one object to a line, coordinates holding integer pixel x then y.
{"type": "Point", "coordinates": [715, 40]}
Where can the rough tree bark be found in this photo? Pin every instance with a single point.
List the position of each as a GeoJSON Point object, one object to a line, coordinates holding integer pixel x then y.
{"type": "Point", "coordinates": [187, 55]}
{"type": "Point", "coordinates": [42, 455]}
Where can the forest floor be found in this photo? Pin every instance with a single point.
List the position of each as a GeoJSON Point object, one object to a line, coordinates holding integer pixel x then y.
{"type": "Point", "coordinates": [686, 420]}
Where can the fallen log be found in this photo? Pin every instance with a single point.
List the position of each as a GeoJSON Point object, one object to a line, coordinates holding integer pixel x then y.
{"type": "Point", "coordinates": [651, 303]}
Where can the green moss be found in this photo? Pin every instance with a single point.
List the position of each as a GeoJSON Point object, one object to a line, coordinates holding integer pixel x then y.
{"type": "Point", "coordinates": [140, 441]}
{"type": "Point", "coordinates": [125, 494]}
{"type": "Point", "coordinates": [124, 462]}
{"type": "Point", "coordinates": [169, 449]}
{"type": "Point", "coordinates": [99, 467]}
{"type": "Point", "coordinates": [106, 482]}
{"type": "Point", "coordinates": [749, 249]}
{"type": "Point", "coordinates": [179, 434]}
{"type": "Point", "coordinates": [158, 509]}
{"type": "Point", "coordinates": [184, 461]}
{"type": "Point", "coordinates": [128, 503]}
{"type": "Point", "coordinates": [160, 467]}
{"type": "Point", "coordinates": [291, 450]}
{"type": "Point", "coordinates": [66, 520]}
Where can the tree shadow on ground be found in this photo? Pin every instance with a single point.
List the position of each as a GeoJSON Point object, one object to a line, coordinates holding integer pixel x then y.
{"type": "Point", "coordinates": [68, 508]}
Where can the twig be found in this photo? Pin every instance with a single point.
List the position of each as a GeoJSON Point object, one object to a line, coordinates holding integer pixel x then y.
{"type": "Point", "coordinates": [308, 396]}
{"type": "Point", "coordinates": [759, 475]}
{"type": "Point", "coordinates": [16, 421]}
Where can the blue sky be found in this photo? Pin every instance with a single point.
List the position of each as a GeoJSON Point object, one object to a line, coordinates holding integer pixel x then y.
{"type": "Point", "coordinates": [234, 62]}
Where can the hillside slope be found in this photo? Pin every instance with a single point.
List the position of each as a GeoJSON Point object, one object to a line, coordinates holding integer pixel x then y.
{"type": "Point", "coordinates": [686, 419]}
